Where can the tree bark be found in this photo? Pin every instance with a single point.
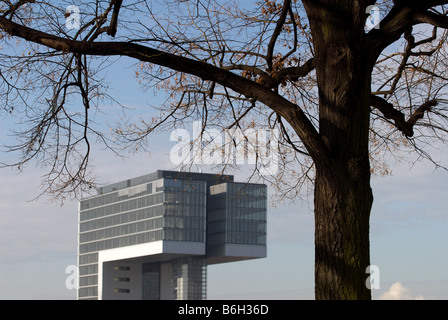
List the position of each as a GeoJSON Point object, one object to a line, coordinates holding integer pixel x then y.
{"type": "Point", "coordinates": [343, 200]}
{"type": "Point", "coordinates": [343, 197]}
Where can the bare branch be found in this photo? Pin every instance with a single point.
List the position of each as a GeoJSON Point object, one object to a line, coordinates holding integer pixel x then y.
{"type": "Point", "coordinates": [391, 113]}
{"type": "Point", "coordinates": [294, 73]}
{"type": "Point", "coordinates": [277, 31]}
{"type": "Point", "coordinates": [112, 30]}
{"type": "Point", "coordinates": [403, 15]}
{"type": "Point", "coordinates": [291, 112]}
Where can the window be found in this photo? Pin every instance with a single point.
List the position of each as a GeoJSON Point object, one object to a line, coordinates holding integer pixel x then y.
{"type": "Point", "coordinates": [122, 290]}
{"type": "Point", "coordinates": [122, 268]}
{"type": "Point", "coordinates": [119, 279]}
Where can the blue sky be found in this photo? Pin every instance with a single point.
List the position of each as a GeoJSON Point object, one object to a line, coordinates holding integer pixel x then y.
{"type": "Point", "coordinates": [409, 224]}
{"type": "Point", "coordinates": [408, 239]}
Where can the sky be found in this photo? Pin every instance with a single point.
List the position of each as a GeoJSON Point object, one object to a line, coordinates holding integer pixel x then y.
{"type": "Point", "coordinates": [408, 239]}
{"type": "Point", "coordinates": [409, 224]}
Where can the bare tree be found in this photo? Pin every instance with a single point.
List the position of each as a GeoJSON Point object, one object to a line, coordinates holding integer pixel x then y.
{"type": "Point", "coordinates": [342, 96]}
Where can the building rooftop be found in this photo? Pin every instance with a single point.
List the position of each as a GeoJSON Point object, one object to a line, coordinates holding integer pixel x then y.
{"type": "Point", "coordinates": [210, 178]}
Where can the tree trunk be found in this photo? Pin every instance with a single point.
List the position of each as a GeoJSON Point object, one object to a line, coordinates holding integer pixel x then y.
{"type": "Point", "coordinates": [343, 197]}
{"type": "Point", "coordinates": [343, 200]}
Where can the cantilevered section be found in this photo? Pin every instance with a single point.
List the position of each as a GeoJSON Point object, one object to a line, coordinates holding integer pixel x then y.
{"type": "Point", "coordinates": [153, 236]}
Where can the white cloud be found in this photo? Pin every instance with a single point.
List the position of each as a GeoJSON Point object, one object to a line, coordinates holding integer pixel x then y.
{"type": "Point", "coordinates": [398, 292]}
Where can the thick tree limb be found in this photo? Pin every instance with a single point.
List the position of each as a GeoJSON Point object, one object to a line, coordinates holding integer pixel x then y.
{"type": "Point", "coordinates": [112, 30]}
{"type": "Point", "coordinates": [291, 73]}
{"type": "Point", "coordinates": [391, 113]}
{"type": "Point", "coordinates": [288, 110]}
{"type": "Point", "coordinates": [294, 73]}
{"type": "Point", "coordinates": [403, 15]}
{"type": "Point", "coordinates": [277, 31]}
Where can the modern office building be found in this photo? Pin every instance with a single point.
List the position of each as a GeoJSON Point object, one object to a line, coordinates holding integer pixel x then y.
{"type": "Point", "coordinates": [152, 237]}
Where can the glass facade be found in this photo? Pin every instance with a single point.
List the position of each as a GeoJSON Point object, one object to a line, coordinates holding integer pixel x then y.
{"type": "Point", "coordinates": [151, 281]}
{"type": "Point", "coordinates": [189, 279]}
{"type": "Point", "coordinates": [165, 206]}
{"type": "Point", "coordinates": [184, 210]}
{"type": "Point", "coordinates": [237, 214]}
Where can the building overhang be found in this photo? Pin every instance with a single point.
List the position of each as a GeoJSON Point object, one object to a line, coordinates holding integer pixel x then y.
{"type": "Point", "coordinates": [235, 252]}
{"type": "Point", "coordinates": [153, 251]}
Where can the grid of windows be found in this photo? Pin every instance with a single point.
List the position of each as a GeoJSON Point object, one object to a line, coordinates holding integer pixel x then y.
{"type": "Point", "coordinates": [120, 218]}
{"type": "Point", "coordinates": [184, 210]}
{"type": "Point", "coordinates": [165, 209]}
{"type": "Point", "coordinates": [107, 209]}
{"type": "Point", "coordinates": [121, 241]}
{"type": "Point", "coordinates": [116, 219]}
{"type": "Point", "coordinates": [121, 230]}
{"type": "Point", "coordinates": [114, 197]}
{"type": "Point", "coordinates": [158, 207]}
{"type": "Point", "coordinates": [88, 292]}
{"type": "Point", "coordinates": [88, 281]}
{"type": "Point", "coordinates": [189, 279]}
{"type": "Point", "coordinates": [151, 281]}
{"type": "Point", "coordinates": [237, 215]}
